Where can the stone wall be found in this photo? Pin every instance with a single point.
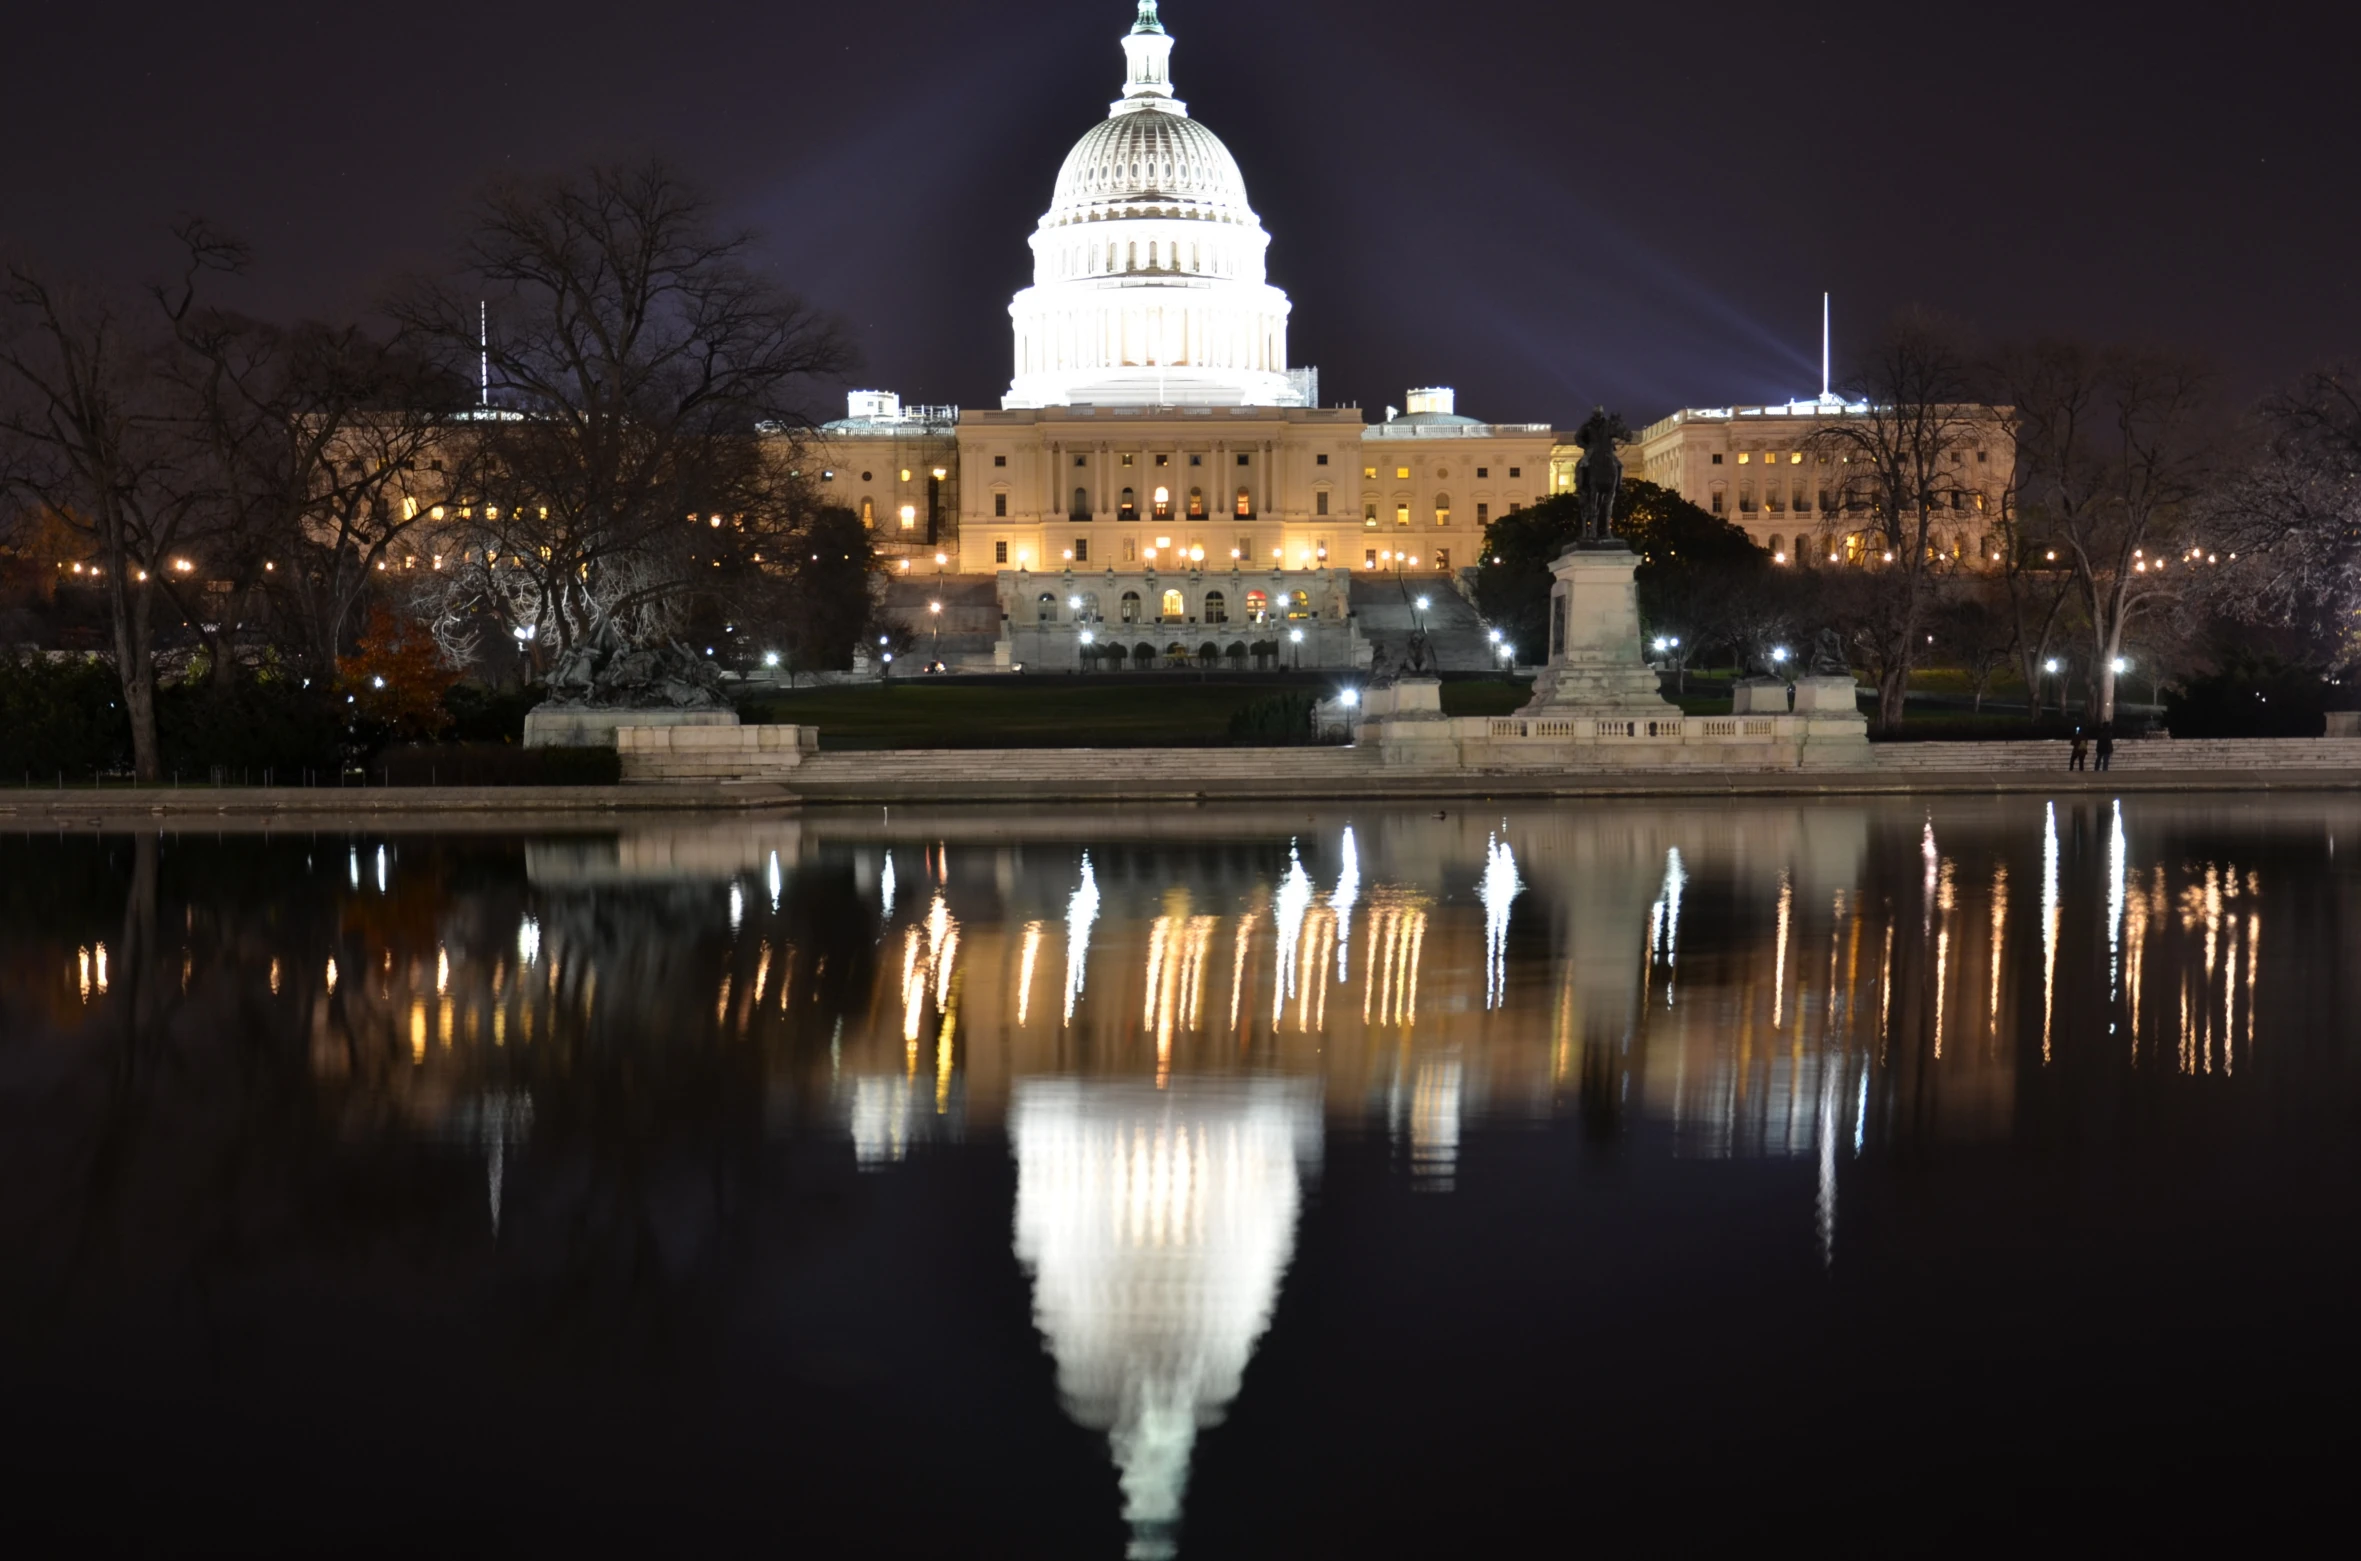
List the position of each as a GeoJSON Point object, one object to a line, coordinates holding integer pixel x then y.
{"type": "Point", "coordinates": [713, 753]}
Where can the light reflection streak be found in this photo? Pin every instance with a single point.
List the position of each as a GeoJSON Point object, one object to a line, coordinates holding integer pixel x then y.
{"type": "Point", "coordinates": [2253, 952]}
{"type": "Point", "coordinates": [885, 888]}
{"type": "Point", "coordinates": [1288, 905]}
{"type": "Point", "coordinates": [1082, 909]}
{"type": "Point", "coordinates": [1243, 941]}
{"type": "Point", "coordinates": [1779, 966]}
{"type": "Point", "coordinates": [1999, 941]}
{"type": "Point", "coordinates": [1028, 956]}
{"type": "Point", "coordinates": [1348, 889]}
{"type": "Point", "coordinates": [2049, 924]}
{"type": "Point", "coordinates": [1499, 885]}
{"type": "Point", "coordinates": [774, 880]}
{"type": "Point", "coordinates": [2115, 878]}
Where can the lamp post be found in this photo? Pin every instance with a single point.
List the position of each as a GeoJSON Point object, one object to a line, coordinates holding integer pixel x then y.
{"type": "Point", "coordinates": [1082, 651]}
{"type": "Point", "coordinates": [1295, 637]}
{"type": "Point", "coordinates": [935, 610]}
{"type": "Point", "coordinates": [2050, 667]}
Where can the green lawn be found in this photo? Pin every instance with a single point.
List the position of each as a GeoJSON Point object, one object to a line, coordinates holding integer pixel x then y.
{"type": "Point", "coordinates": [946, 713]}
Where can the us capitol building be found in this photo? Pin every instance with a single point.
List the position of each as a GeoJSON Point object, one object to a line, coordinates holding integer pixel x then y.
{"type": "Point", "coordinates": [1156, 459]}
{"type": "Point", "coordinates": [1160, 479]}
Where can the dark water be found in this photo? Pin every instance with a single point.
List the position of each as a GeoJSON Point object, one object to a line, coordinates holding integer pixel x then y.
{"type": "Point", "coordinates": [1251, 1182]}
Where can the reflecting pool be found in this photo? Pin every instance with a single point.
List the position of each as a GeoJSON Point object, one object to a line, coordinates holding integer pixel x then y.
{"type": "Point", "coordinates": [1185, 1181]}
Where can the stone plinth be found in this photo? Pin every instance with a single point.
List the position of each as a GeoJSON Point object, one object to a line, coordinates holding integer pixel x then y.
{"type": "Point", "coordinates": [1835, 734]}
{"type": "Point", "coordinates": [713, 753]}
{"type": "Point", "coordinates": [1759, 696]}
{"type": "Point", "coordinates": [585, 726]}
{"type": "Point", "coordinates": [1595, 668]}
{"type": "Point", "coordinates": [1409, 721]}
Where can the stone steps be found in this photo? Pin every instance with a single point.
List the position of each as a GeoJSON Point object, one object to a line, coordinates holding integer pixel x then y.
{"type": "Point", "coordinates": [2201, 753]}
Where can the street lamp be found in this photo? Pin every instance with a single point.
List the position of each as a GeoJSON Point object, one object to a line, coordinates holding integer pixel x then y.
{"type": "Point", "coordinates": [935, 610]}
{"type": "Point", "coordinates": [1082, 650]}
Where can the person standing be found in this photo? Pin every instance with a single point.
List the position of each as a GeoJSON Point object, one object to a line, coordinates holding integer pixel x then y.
{"type": "Point", "coordinates": [2077, 751]}
{"type": "Point", "coordinates": [2106, 756]}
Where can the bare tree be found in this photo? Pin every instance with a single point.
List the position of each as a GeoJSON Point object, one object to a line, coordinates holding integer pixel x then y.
{"type": "Point", "coordinates": [316, 435]}
{"type": "Point", "coordinates": [646, 373]}
{"type": "Point", "coordinates": [2288, 523]}
{"type": "Point", "coordinates": [1904, 453]}
{"type": "Point", "coordinates": [95, 439]}
{"type": "Point", "coordinates": [2114, 448]}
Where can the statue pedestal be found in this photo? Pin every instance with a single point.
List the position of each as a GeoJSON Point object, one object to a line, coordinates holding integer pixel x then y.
{"type": "Point", "coordinates": [1759, 696]}
{"type": "Point", "coordinates": [592, 726]}
{"type": "Point", "coordinates": [1595, 667]}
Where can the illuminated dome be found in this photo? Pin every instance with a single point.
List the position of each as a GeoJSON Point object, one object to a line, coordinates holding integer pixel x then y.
{"type": "Point", "coordinates": [1149, 164]}
{"type": "Point", "coordinates": [1148, 281]}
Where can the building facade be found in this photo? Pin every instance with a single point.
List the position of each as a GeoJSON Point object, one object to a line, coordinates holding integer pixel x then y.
{"type": "Point", "coordinates": [1771, 471]}
{"type": "Point", "coordinates": [1153, 423]}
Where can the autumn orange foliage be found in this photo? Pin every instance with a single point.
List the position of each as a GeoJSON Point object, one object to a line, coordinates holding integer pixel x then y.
{"type": "Point", "coordinates": [396, 675]}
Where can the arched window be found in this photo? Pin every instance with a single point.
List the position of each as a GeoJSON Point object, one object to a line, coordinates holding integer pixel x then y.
{"type": "Point", "coordinates": [1046, 609]}
{"type": "Point", "coordinates": [1245, 504]}
{"type": "Point", "coordinates": [1128, 508]}
{"type": "Point", "coordinates": [1174, 611]}
{"type": "Point", "coordinates": [1164, 504]}
{"type": "Point", "coordinates": [1131, 607]}
{"type": "Point", "coordinates": [1217, 610]}
{"type": "Point", "coordinates": [869, 512]}
{"type": "Point", "coordinates": [1442, 509]}
{"type": "Point", "coordinates": [1089, 612]}
{"type": "Point", "coordinates": [1299, 604]}
{"type": "Point", "coordinates": [1778, 547]}
{"type": "Point", "coordinates": [1196, 504]}
{"type": "Point", "coordinates": [1081, 509]}
{"type": "Point", "coordinates": [1258, 607]}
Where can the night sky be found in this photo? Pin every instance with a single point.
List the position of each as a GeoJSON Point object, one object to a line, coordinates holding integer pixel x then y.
{"type": "Point", "coordinates": [1543, 204]}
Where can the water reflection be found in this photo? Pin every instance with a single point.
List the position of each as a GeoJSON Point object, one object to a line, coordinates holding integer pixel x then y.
{"type": "Point", "coordinates": [1156, 1222]}
{"type": "Point", "coordinates": [568, 1060]}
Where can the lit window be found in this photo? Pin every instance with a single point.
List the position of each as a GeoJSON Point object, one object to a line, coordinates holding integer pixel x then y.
{"type": "Point", "coordinates": [1401, 514]}
{"type": "Point", "coordinates": [1245, 503]}
{"type": "Point", "coordinates": [1442, 509]}
{"type": "Point", "coordinates": [1369, 472]}
{"type": "Point", "coordinates": [909, 516]}
{"type": "Point", "coordinates": [1743, 457]}
{"type": "Point", "coordinates": [1402, 473]}
{"type": "Point", "coordinates": [1127, 460]}
{"type": "Point", "coordinates": [1796, 458]}
{"type": "Point", "coordinates": [905, 474]}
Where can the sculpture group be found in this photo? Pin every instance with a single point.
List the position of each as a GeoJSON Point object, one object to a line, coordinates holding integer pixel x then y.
{"type": "Point", "coordinates": [604, 671]}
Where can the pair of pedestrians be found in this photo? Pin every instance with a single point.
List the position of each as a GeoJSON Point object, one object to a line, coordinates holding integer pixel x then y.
{"type": "Point", "coordinates": [2080, 749]}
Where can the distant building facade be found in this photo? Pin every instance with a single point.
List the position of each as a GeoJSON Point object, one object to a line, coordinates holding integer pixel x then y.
{"type": "Point", "coordinates": [1763, 469]}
